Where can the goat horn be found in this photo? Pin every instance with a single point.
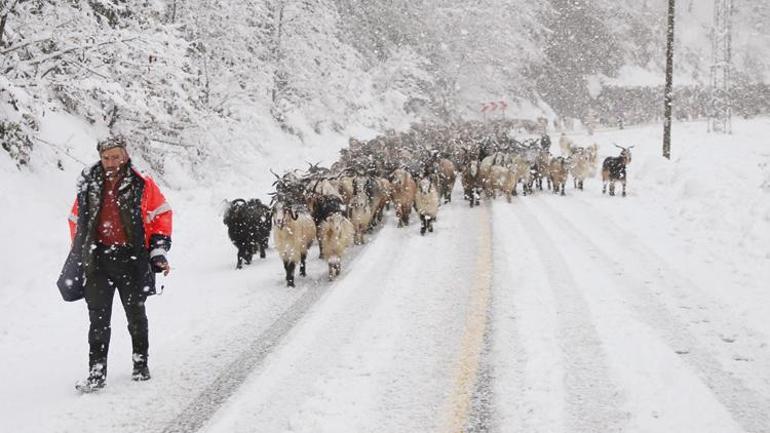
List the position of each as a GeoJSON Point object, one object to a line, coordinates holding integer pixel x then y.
{"type": "Point", "coordinates": [341, 173]}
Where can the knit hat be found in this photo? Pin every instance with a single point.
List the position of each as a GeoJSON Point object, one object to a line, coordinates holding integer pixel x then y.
{"type": "Point", "coordinates": [111, 142]}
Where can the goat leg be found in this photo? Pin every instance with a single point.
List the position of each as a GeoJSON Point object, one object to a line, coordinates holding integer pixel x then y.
{"type": "Point", "coordinates": [302, 272]}
{"type": "Point", "coordinates": [289, 267]}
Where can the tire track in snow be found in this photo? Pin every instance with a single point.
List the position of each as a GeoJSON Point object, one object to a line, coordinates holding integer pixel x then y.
{"type": "Point", "coordinates": [200, 410]}
{"type": "Point", "coordinates": [708, 314]}
{"type": "Point", "coordinates": [593, 399]}
{"type": "Point", "coordinates": [377, 353]}
{"type": "Point", "coordinates": [529, 390]}
{"type": "Point", "coordinates": [747, 407]}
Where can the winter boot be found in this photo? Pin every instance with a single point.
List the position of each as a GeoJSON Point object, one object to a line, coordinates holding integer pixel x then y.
{"type": "Point", "coordinates": [95, 381]}
{"type": "Point", "coordinates": [141, 372]}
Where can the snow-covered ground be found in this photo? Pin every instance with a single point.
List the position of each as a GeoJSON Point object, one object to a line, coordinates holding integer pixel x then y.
{"type": "Point", "coordinates": [582, 313]}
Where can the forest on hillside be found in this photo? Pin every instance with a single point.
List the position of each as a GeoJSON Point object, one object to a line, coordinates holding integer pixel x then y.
{"type": "Point", "coordinates": [213, 73]}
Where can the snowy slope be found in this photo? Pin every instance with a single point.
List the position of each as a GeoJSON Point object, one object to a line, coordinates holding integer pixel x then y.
{"type": "Point", "coordinates": [578, 313]}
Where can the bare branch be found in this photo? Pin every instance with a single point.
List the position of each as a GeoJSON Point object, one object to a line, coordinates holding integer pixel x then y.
{"type": "Point", "coordinates": [8, 8]}
{"type": "Point", "coordinates": [58, 147]}
{"type": "Point", "coordinates": [82, 66]}
{"type": "Point", "coordinates": [60, 53]}
{"type": "Point", "coordinates": [171, 143]}
{"type": "Point", "coordinates": [26, 44]}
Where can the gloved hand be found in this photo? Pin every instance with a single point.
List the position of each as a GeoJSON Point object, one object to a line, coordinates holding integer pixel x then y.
{"type": "Point", "coordinates": [160, 264]}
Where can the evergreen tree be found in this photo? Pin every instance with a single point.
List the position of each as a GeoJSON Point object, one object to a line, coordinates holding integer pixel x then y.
{"type": "Point", "coordinates": [579, 44]}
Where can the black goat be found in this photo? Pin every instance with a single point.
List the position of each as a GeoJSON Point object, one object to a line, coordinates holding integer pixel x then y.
{"type": "Point", "coordinates": [248, 225]}
{"type": "Point", "coordinates": [614, 170]}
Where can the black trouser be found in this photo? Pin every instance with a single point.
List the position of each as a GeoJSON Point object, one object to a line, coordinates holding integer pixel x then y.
{"type": "Point", "coordinates": [115, 268]}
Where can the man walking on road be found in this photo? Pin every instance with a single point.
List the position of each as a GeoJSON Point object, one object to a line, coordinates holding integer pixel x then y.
{"type": "Point", "coordinates": [121, 232]}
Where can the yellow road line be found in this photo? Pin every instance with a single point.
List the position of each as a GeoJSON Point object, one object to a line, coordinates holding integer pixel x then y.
{"type": "Point", "coordinates": [472, 343]}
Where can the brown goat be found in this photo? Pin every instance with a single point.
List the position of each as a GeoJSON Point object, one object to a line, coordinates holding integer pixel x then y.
{"type": "Point", "coordinates": [471, 180]}
{"type": "Point", "coordinates": [557, 172]}
{"type": "Point", "coordinates": [404, 189]}
{"type": "Point", "coordinates": [447, 176]}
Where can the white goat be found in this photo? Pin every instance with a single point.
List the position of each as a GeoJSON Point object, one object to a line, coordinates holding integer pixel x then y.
{"type": "Point", "coordinates": [293, 233]}
{"type": "Point", "coordinates": [345, 187]}
{"type": "Point", "coordinates": [337, 234]}
{"type": "Point", "coordinates": [580, 167]}
{"type": "Point", "coordinates": [522, 172]}
{"type": "Point", "coordinates": [499, 179]}
{"type": "Point", "coordinates": [361, 210]}
{"type": "Point", "coordinates": [426, 201]}
{"type": "Point", "coordinates": [565, 144]}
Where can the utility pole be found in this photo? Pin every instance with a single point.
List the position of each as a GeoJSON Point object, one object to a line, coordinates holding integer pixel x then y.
{"type": "Point", "coordinates": [720, 116]}
{"type": "Point", "coordinates": [669, 96]}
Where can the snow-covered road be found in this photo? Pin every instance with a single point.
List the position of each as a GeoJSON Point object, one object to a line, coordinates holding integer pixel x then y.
{"type": "Point", "coordinates": [388, 347]}
{"type": "Point", "coordinates": [561, 324]}
{"type": "Point", "coordinates": [616, 327]}
{"type": "Point", "coordinates": [582, 313]}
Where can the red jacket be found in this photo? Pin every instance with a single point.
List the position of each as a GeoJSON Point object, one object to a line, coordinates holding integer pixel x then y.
{"type": "Point", "coordinates": [156, 212]}
{"type": "Point", "coordinates": [146, 219]}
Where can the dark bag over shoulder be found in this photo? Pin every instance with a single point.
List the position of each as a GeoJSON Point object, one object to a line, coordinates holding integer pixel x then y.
{"type": "Point", "coordinates": [71, 281]}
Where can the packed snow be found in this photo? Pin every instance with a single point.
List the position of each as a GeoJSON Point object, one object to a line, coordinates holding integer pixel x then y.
{"type": "Point", "coordinates": [549, 314]}
{"type": "Point", "coordinates": [638, 314]}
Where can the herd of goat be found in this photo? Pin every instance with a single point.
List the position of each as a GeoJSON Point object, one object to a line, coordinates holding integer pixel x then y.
{"type": "Point", "coordinates": [415, 170]}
